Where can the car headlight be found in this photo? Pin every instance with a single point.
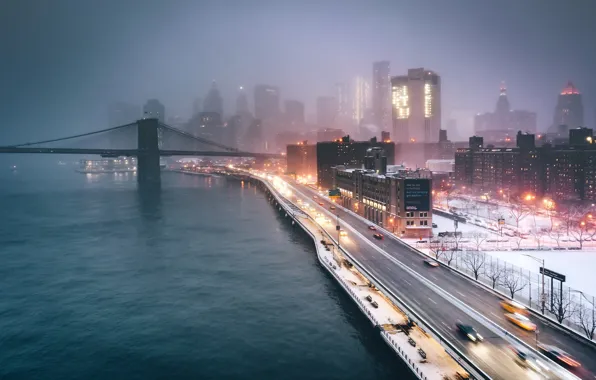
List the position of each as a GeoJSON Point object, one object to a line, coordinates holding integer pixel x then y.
{"type": "Point", "coordinates": [471, 337]}
{"type": "Point", "coordinates": [479, 336]}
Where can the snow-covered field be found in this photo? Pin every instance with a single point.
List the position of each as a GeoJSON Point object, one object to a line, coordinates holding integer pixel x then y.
{"type": "Point", "coordinates": [577, 265]}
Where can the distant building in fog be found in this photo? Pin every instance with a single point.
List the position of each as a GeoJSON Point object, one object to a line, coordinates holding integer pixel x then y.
{"type": "Point", "coordinates": [294, 112]}
{"type": "Point", "coordinates": [329, 134]}
{"type": "Point", "coordinates": [503, 124]}
{"type": "Point", "coordinates": [154, 109]}
{"type": "Point", "coordinates": [266, 102]}
{"type": "Point", "coordinates": [569, 110]}
{"type": "Point", "coordinates": [213, 102]}
{"type": "Point", "coordinates": [121, 113]}
{"type": "Point", "coordinates": [242, 102]}
{"type": "Point", "coordinates": [344, 105]}
{"type": "Point", "coordinates": [381, 95]}
{"type": "Point", "coordinates": [326, 111]}
{"type": "Point", "coordinates": [360, 99]}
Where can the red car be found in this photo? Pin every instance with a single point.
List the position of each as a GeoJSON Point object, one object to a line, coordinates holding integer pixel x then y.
{"type": "Point", "coordinates": [378, 236]}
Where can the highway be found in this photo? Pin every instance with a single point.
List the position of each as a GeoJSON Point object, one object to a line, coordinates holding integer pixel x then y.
{"type": "Point", "coordinates": [493, 355]}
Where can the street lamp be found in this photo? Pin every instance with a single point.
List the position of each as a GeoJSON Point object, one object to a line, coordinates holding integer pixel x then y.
{"type": "Point", "coordinates": [338, 231]}
{"type": "Point", "coordinates": [543, 295]}
{"type": "Point", "coordinates": [590, 302]}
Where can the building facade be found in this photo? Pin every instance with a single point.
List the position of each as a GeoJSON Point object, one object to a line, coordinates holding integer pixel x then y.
{"type": "Point", "coordinates": [416, 106]}
{"type": "Point", "coordinates": [326, 111]}
{"type": "Point", "coordinates": [348, 153]}
{"type": "Point", "coordinates": [302, 159]}
{"type": "Point", "coordinates": [360, 100]}
{"type": "Point", "coordinates": [213, 102]}
{"type": "Point", "coordinates": [294, 113]}
{"type": "Point", "coordinates": [400, 202]}
{"type": "Point", "coordinates": [569, 110]}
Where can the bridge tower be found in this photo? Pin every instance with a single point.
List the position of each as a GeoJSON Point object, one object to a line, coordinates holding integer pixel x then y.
{"type": "Point", "coordinates": [148, 160]}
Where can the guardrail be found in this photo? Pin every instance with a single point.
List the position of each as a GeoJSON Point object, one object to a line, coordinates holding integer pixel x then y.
{"type": "Point", "coordinates": [506, 334]}
{"type": "Point", "coordinates": [453, 351]}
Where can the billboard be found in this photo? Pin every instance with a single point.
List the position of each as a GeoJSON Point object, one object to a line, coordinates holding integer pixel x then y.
{"type": "Point", "coordinates": [417, 194]}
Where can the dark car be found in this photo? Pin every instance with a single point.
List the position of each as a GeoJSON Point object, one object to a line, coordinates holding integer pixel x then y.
{"type": "Point", "coordinates": [435, 225]}
{"type": "Point", "coordinates": [431, 263]}
{"type": "Point", "coordinates": [372, 228]}
{"type": "Point", "coordinates": [469, 332]}
{"type": "Point", "coordinates": [378, 236]}
{"type": "Point", "coordinates": [558, 355]}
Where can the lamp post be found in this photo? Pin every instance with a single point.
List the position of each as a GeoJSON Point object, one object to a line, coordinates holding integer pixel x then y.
{"type": "Point", "coordinates": [543, 295]}
{"type": "Point", "coordinates": [590, 302]}
{"type": "Point", "coordinates": [338, 231]}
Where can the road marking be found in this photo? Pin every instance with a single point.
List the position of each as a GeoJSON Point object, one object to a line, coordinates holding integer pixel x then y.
{"type": "Point", "coordinates": [418, 303]}
{"type": "Point", "coordinates": [444, 324]}
{"type": "Point", "coordinates": [407, 282]}
{"type": "Point", "coordinates": [435, 277]}
{"type": "Point", "coordinates": [461, 294]}
{"type": "Point", "coordinates": [498, 316]}
{"type": "Point", "coordinates": [431, 300]}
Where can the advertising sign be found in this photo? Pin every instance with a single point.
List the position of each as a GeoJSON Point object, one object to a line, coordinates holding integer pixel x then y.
{"type": "Point", "coordinates": [334, 193]}
{"type": "Point", "coordinates": [417, 195]}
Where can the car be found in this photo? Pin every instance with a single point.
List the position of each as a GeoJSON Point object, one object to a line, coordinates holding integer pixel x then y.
{"type": "Point", "coordinates": [431, 263]}
{"type": "Point", "coordinates": [529, 361]}
{"type": "Point", "coordinates": [343, 233]}
{"type": "Point", "coordinates": [435, 225]}
{"type": "Point", "coordinates": [558, 355]}
{"type": "Point", "coordinates": [321, 203]}
{"type": "Point", "coordinates": [521, 321]}
{"type": "Point", "coordinates": [372, 228]}
{"type": "Point", "coordinates": [331, 207]}
{"type": "Point", "coordinates": [469, 332]}
{"type": "Point", "coordinates": [378, 236]}
{"type": "Point", "coordinates": [514, 307]}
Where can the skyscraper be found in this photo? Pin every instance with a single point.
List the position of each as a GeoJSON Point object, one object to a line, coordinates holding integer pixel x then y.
{"type": "Point", "coordinates": [360, 98]}
{"type": "Point", "coordinates": [569, 110]}
{"type": "Point", "coordinates": [416, 100]}
{"type": "Point", "coordinates": [381, 95]}
{"type": "Point", "coordinates": [213, 101]}
{"type": "Point", "coordinates": [154, 109]}
{"type": "Point", "coordinates": [266, 102]}
{"type": "Point", "coordinates": [242, 102]}
{"type": "Point", "coordinates": [294, 112]}
{"type": "Point", "coordinates": [503, 124]}
{"type": "Point", "coordinates": [326, 111]}
{"type": "Point", "coordinates": [344, 107]}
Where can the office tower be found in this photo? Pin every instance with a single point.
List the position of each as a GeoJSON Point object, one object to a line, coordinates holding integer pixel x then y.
{"type": "Point", "coordinates": [416, 101]}
{"type": "Point", "coordinates": [242, 102]}
{"type": "Point", "coordinates": [385, 136]}
{"type": "Point", "coordinates": [302, 159]}
{"type": "Point", "coordinates": [266, 102]}
{"type": "Point", "coordinates": [253, 138]}
{"type": "Point", "coordinates": [154, 109]}
{"type": "Point", "coordinates": [213, 101]}
{"type": "Point", "coordinates": [360, 98]}
{"type": "Point", "coordinates": [344, 110]}
{"type": "Point", "coordinates": [326, 111]}
{"type": "Point", "coordinates": [294, 112]}
{"type": "Point", "coordinates": [381, 93]}
{"type": "Point", "coordinates": [121, 113]}
{"type": "Point", "coordinates": [569, 110]}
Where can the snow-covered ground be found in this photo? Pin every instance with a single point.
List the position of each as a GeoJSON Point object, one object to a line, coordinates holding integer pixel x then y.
{"type": "Point", "coordinates": [577, 266]}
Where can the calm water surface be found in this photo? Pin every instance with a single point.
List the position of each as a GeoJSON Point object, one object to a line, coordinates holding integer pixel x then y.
{"type": "Point", "coordinates": [200, 279]}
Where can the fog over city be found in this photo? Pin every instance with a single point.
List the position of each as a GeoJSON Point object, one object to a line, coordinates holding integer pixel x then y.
{"type": "Point", "coordinates": [63, 62]}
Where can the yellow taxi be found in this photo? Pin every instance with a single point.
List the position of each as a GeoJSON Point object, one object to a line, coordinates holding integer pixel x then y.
{"type": "Point", "coordinates": [514, 307]}
{"type": "Point", "coordinates": [521, 321]}
{"type": "Point", "coordinates": [343, 233]}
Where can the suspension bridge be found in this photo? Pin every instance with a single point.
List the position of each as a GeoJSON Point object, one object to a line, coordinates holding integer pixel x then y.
{"type": "Point", "coordinates": [146, 139]}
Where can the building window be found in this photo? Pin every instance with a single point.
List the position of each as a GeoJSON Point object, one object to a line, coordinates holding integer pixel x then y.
{"type": "Point", "coordinates": [409, 214]}
{"type": "Point", "coordinates": [424, 222]}
{"type": "Point", "coordinates": [424, 214]}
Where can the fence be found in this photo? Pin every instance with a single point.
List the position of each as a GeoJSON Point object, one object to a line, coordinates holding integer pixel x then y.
{"type": "Point", "coordinates": [570, 307]}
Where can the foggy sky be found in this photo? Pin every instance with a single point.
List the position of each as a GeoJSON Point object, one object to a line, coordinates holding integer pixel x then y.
{"type": "Point", "coordinates": [63, 61]}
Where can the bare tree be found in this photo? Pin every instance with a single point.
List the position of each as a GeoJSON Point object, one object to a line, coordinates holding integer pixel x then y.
{"type": "Point", "coordinates": [581, 231]}
{"type": "Point", "coordinates": [587, 319]}
{"type": "Point", "coordinates": [556, 234]}
{"type": "Point", "coordinates": [569, 216]}
{"type": "Point", "coordinates": [494, 272]}
{"type": "Point", "coordinates": [518, 212]}
{"type": "Point", "coordinates": [563, 306]}
{"type": "Point", "coordinates": [437, 247]}
{"type": "Point", "coordinates": [450, 255]}
{"type": "Point", "coordinates": [513, 281]}
{"type": "Point", "coordinates": [538, 236]}
{"type": "Point", "coordinates": [518, 240]}
{"type": "Point", "coordinates": [478, 238]}
{"type": "Point", "coordinates": [474, 260]}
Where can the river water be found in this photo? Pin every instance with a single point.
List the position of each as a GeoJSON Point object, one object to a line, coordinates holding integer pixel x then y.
{"type": "Point", "coordinates": [198, 279]}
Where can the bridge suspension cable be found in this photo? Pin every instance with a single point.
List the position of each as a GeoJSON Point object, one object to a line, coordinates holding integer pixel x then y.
{"type": "Point", "coordinates": [199, 139]}
{"type": "Point", "coordinates": [73, 137]}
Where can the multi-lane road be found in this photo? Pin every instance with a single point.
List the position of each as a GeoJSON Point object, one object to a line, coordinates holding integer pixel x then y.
{"type": "Point", "coordinates": [405, 274]}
